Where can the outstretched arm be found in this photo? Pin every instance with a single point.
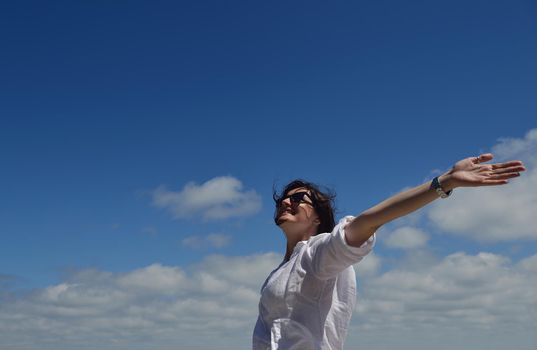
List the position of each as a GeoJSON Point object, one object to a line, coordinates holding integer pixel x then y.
{"type": "Point", "coordinates": [469, 172]}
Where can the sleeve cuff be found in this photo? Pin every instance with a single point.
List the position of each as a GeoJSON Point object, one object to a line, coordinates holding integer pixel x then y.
{"type": "Point", "coordinates": [362, 250]}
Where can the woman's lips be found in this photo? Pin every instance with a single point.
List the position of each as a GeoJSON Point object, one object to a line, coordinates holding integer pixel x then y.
{"type": "Point", "coordinates": [282, 215]}
{"type": "Point", "coordinates": [287, 211]}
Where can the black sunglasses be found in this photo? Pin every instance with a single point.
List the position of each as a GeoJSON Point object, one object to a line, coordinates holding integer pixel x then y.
{"type": "Point", "coordinates": [296, 198]}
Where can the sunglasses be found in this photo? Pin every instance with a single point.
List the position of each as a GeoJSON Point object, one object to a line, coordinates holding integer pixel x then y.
{"type": "Point", "coordinates": [296, 198]}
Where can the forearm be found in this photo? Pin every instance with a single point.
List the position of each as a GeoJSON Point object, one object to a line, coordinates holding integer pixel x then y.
{"type": "Point", "coordinates": [405, 202]}
{"type": "Point", "coordinates": [401, 204]}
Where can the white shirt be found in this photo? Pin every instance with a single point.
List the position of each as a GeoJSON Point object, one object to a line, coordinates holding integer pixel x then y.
{"type": "Point", "coordinates": [307, 302]}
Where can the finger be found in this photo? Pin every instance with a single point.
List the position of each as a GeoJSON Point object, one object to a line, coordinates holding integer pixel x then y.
{"type": "Point", "coordinates": [504, 176]}
{"type": "Point", "coordinates": [513, 163]}
{"type": "Point", "coordinates": [494, 182]}
{"type": "Point", "coordinates": [485, 157]}
{"type": "Point", "coordinates": [511, 169]}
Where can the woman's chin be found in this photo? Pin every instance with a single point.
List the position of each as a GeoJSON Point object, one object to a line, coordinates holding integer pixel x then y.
{"type": "Point", "coordinates": [282, 220]}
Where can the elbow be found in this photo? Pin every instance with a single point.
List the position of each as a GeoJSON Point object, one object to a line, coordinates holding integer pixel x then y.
{"type": "Point", "coordinates": [360, 230]}
{"type": "Point", "coordinates": [367, 221]}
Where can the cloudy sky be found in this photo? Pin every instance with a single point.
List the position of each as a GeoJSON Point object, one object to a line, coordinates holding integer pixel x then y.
{"type": "Point", "coordinates": [140, 143]}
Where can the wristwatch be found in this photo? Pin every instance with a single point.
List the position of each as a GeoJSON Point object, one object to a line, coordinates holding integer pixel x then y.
{"type": "Point", "coordinates": [435, 184]}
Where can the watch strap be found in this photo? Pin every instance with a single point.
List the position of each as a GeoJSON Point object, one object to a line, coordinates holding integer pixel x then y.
{"type": "Point", "coordinates": [435, 184]}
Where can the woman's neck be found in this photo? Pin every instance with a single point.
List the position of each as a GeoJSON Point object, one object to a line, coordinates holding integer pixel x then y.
{"type": "Point", "coordinates": [291, 244]}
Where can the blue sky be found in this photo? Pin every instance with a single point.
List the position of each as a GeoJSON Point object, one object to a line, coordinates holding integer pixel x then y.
{"type": "Point", "coordinates": [105, 103]}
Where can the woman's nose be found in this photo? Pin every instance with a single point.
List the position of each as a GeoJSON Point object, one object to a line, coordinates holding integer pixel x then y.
{"type": "Point", "coordinates": [286, 202]}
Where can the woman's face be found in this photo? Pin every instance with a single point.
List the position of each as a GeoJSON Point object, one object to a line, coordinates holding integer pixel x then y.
{"type": "Point", "coordinates": [296, 211]}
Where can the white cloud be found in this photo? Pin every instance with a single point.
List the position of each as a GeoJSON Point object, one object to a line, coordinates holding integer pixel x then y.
{"type": "Point", "coordinates": [529, 264]}
{"type": "Point", "coordinates": [369, 265]}
{"type": "Point", "coordinates": [514, 148]}
{"type": "Point", "coordinates": [471, 297]}
{"type": "Point", "coordinates": [213, 305]}
{"type": "Point", "coordinates": [215, 240]}
{"type": "Point", "coordinates": [219, 198]}
{"type": "Point", "coordinates": [218, 240]}
{"type": "Point", "coordinates": [406, 238]}
{"type": "Point", "coordinates": [155, 279]}
{"type": "Point", "coordinates": [241, 270]}
{"type": "Point", "coordinates": [500, 213]}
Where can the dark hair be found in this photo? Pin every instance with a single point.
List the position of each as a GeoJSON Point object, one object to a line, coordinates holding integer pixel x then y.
{"type": "Point", "coordinates": [323, 203]}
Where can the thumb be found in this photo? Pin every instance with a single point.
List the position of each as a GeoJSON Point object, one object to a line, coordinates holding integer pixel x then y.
{"type": "Point", "coordinates": [485, 157]}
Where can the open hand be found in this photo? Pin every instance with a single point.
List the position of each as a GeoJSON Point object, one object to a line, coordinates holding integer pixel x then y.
{"type": "Point", "coordinates": [471, 172]}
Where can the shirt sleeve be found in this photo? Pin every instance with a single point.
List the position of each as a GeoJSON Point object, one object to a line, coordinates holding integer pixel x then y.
{"type": "Point", "coordinates": [328, 254]}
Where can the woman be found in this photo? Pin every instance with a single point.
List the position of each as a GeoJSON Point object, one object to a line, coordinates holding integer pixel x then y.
{"type": "Point", "coordinates": [307, 302]}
